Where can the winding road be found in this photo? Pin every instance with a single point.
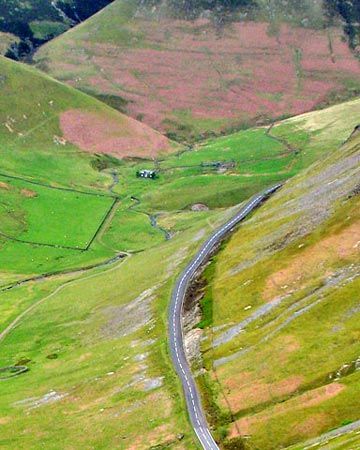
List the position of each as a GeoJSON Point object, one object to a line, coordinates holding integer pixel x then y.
{"type": "Point", "coordinates": [192, 397]}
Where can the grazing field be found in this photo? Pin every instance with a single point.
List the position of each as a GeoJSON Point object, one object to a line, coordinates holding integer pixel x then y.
{"type": "Point", "coordinates": [132, 231]}
{"type": "Point", "coordinates": [50, 216]}
{"type": "Point", "coordinates": [191, 79]}
{"type": "Point", "coordinates": [320, 130]}
{"type": "Point", "coordinates": [245, 146]}
{"type": "Point", "coordinates": [219, 171]}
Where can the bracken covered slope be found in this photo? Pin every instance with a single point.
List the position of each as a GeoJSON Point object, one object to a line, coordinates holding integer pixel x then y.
{"type": "Point", "coordinates": [190, 78]}
{"type": "Point", "coordinates": [282, 353]}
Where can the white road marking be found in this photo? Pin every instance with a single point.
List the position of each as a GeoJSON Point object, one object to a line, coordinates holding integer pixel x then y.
{"type": "Point", "coordinates": [203, 434]}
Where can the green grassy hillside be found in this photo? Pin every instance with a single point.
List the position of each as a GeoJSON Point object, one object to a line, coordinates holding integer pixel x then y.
{"type": "Point", "coordinates": [95, 343]}
{"type": "Point", "coordinates": [197, 78]}
{"type": "Point", "coordinates": [53, 142]}
{"type": "Point", "coordinates": [52, 131]}
{"type": "Point", "coordinates": [282, 353]}
{"type": "Point", "coordinates": [93, 335]}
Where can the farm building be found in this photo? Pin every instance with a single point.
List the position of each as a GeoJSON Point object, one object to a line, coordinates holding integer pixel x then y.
{"type": "Point", "coordinates": [145, 173]}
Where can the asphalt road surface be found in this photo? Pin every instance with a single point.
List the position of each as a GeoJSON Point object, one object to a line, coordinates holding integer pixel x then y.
{"type": "Point", "coordinates": [196, 413]}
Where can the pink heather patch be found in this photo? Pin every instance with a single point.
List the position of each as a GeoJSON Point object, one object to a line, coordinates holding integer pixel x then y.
{"type": "Point", "coordinates": [120, 136]}
{"type": "Point", "coordinates": [106, 86]}
{"type": "Point", "coordinates": [246, 72]}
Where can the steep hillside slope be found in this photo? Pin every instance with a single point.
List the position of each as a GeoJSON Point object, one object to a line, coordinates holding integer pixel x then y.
{"type": "Point", "coordinates": [47, 126]}
{"type": "Point", "coordinates": [190, 78]}
{"type": "Point", "coordinates": [54, 141]}
{"type": "Point", "coordinates": [282, 351]}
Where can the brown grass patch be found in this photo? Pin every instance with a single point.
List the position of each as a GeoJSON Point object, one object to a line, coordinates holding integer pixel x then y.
{"type": "Point", "coordinates": [160, 398]}
{"type": "Point", "coordinates": [311, 260]}
{"type": "Point", "coordinates": [85, 406]}
{"type": "Point", "coordinates": [160, 434]}
{"type": "Point", "coordinates": [286, 347]}
{"type": "Point", "coordinates": [311, 426]}
{"type": "Point", "coordinates": [255, 392]}
{"type": "Point", "coordinates": [83, 357]}
{"type": "Point", "coordinates": [28, 193]}
{"type": "Point", "coordinates": [321, 394]}
{"type": "Point", "coordinates": [117, 135]}
{"type": "Point", "coordinates": [4, 420]}
{"type": "Point", "coordinates": [4, 185]}
{"type": "Point", "coordinates": [247, 425]}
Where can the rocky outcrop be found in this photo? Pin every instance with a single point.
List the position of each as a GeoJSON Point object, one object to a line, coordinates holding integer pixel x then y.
{"type": "Point", "coordinates": [192, 316]}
